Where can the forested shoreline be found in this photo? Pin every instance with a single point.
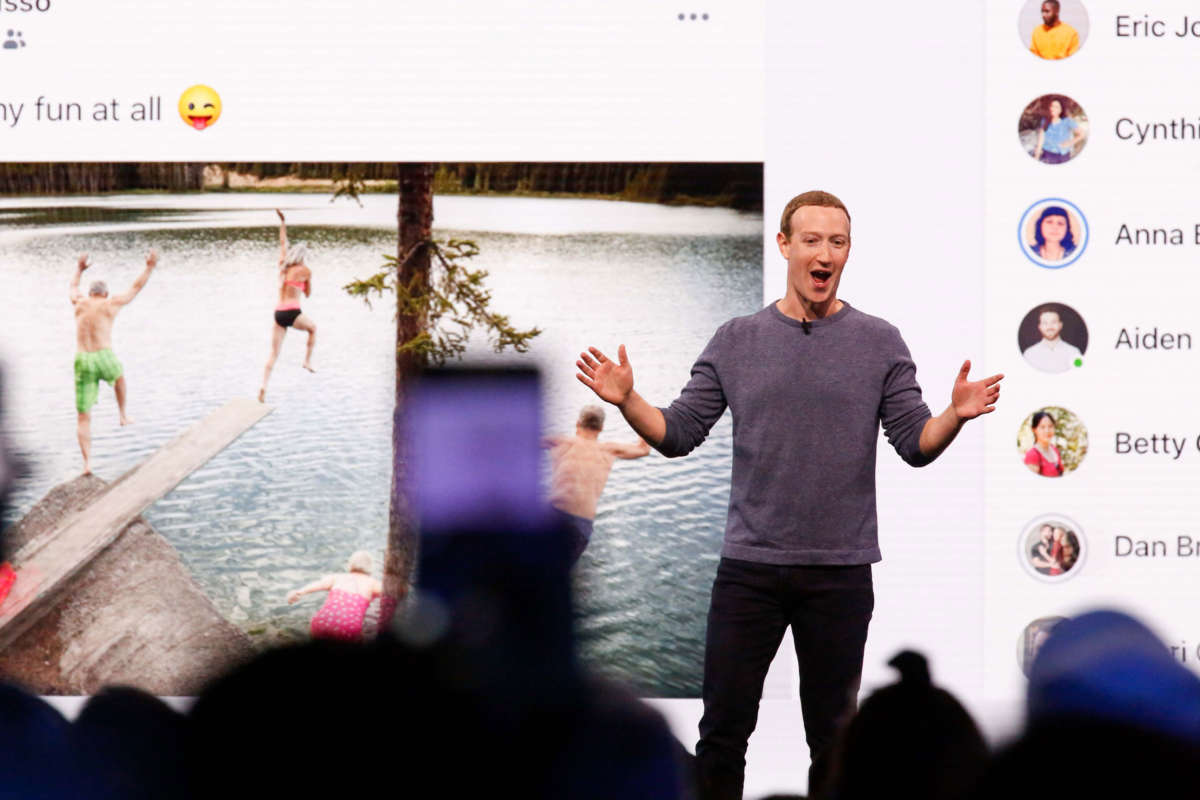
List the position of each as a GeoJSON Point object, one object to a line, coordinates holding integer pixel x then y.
{"type": "Point", "coordinates": [733, 185]}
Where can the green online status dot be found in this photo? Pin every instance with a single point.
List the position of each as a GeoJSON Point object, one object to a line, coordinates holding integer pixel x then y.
{"type": "Point", "coordinates": [1079, 362]}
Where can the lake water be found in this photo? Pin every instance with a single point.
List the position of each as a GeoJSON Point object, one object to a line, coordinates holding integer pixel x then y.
{"type": "Point", "coordinates": [308, 485]}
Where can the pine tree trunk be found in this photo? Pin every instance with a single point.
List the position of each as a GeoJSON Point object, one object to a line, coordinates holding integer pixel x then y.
{"type": "Point", "coordinates": [415, 226]}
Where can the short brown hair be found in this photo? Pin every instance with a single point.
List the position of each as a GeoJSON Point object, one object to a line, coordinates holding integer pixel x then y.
{"type": "Point", "coordinates": [813, 198]}
{"type": "Point", "coordinates": [592, 418]}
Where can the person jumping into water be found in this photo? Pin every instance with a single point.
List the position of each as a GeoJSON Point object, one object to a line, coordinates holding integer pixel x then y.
{"type": "Point", "coordinates": [94, 359]}
{"type": "Point", "coordinates": [579, 469]}
{"type": "Point", "coordinates": [294, 277]}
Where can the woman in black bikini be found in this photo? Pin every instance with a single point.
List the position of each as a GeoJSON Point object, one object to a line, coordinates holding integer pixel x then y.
{"type": "Point", "coordinates": [294, 277]}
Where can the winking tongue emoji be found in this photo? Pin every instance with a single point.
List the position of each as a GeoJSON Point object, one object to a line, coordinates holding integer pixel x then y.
{"type": "Point", "coordinates": [200, 107]}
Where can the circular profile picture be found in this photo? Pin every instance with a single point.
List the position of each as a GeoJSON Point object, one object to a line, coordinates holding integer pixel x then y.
{"type": "Point", "coordinates": [1032, 638]}
{"type": "Point", "coordinates": [1053, 233]}
{"type": "Point", "coordinates": [1053, 29]}
{"type": "Point", "coordinates": [1053, 338]}
{"type": "Point", "coordinates": [1052, 442]}
{"type": "Point", "coordinates": [1053, 129]}
{"type": "Point", "coordinates": [1052, 548]}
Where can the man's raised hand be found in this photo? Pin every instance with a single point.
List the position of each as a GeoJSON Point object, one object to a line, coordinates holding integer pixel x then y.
{"type": "Point", "coordinates": [973, 398]}
{"type": "Point", "coordinates": [151, 259]}
{"type": "Point", "coordinates": [612, 382]}
{"type": "Point", "coordinates": [83, 262]}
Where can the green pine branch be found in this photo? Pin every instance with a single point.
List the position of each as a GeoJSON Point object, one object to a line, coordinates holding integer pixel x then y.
{"type": "Point", "coordinates": [453, 300]}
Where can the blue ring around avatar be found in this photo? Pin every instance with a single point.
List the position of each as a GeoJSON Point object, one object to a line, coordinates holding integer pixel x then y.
{"type": "Point", "coordinates": [1087, 234]}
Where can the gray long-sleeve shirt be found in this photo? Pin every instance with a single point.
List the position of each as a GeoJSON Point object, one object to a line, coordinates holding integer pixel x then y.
{"type": "Point", "coordinates": [806, 413]}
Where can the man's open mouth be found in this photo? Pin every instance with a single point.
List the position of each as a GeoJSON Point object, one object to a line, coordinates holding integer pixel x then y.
{"type": "Point", "coordinates": [821, 275]}
{"type": "Point", "coordinates": [199, 122]}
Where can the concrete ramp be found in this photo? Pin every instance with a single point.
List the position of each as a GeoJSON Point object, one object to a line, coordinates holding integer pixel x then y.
{"type": "Point", "coordinates": [46, 564]}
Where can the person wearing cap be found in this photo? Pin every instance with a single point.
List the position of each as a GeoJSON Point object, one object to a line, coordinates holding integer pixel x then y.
{"type": "Point", "coordinates": [1111, 711]}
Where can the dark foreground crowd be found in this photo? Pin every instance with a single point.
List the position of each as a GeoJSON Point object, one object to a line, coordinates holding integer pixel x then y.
{"type": "Point", "coordinates": [1110, 712]}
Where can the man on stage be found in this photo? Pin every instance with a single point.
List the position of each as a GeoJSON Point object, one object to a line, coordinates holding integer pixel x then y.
{"type": "Point", "coordinates": [809, 379]}
{"type": "Point", "coordinates": [94, 358]}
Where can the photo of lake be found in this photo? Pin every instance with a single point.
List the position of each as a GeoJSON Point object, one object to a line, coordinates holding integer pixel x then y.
{"type": "Point", "coordinates": [292, 498]}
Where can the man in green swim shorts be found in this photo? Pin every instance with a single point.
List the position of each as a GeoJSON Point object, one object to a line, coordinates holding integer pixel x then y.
{"type": "Point", "coordinates": [94, 358]}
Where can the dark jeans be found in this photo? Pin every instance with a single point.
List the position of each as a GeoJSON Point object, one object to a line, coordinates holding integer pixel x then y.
{"type": "Point", "coordinates": [829, 609]}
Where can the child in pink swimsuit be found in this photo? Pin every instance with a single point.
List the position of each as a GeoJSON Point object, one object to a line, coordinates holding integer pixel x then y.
{"type": "Point", "coordinates": [345, 607]}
